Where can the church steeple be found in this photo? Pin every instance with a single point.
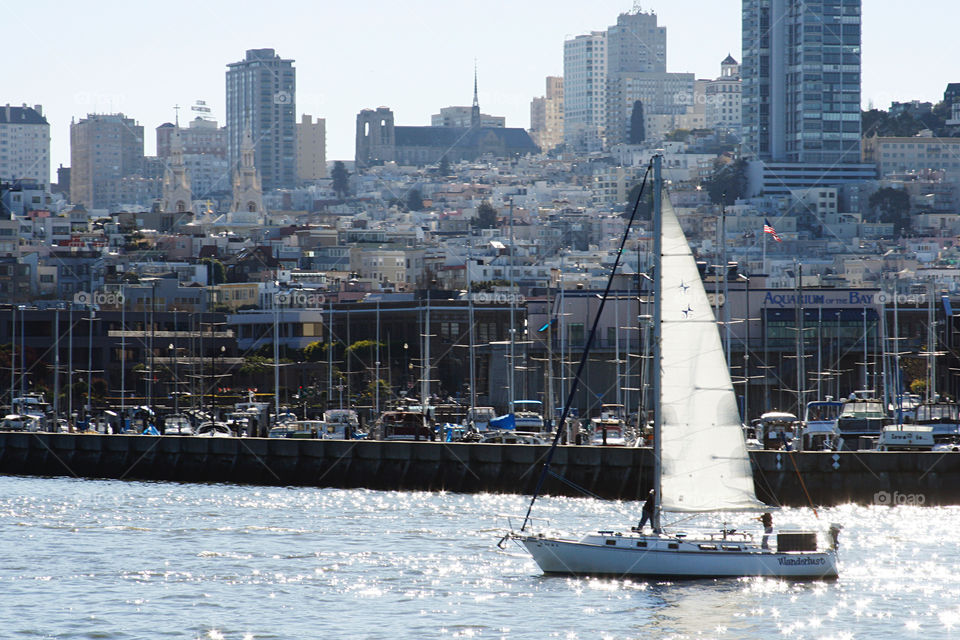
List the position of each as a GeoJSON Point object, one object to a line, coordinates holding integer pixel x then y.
{"type": "Point", "coordinates": [177, 195]}
{"type": "Point", "coordinates": [247, 192]}
{"type": "Point", "coordinates": [475, 109]}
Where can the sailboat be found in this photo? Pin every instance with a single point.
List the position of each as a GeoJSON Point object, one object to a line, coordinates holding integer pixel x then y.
{"type": "Point", "coordinates": [700, 458]}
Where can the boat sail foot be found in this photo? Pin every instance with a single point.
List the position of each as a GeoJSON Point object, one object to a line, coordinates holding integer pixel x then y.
{"type": "Point", "coordinates": [675, 556]}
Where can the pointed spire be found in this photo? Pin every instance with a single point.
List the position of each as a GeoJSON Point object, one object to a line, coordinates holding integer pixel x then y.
{"type": "Point", "coordinates": [476, 101]}
{"type": "Point", "coordinates": [475, 110]}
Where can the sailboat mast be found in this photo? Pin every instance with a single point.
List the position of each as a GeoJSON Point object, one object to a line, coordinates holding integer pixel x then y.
{"type": "Point", "coordinates": [473, 380]}
{"type": "Point", "coordinates": [657, 333]}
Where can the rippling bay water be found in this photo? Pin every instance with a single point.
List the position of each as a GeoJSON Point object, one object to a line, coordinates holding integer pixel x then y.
{"type": "Point", "coordinates": [113, 559]}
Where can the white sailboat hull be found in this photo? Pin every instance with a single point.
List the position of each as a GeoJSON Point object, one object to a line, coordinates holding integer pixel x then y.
{"type": "Point", "coordinates": [672, 557]}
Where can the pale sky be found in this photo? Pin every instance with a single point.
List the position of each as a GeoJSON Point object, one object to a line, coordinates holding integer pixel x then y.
{"type": "Point", "coordinates": [416, 56]}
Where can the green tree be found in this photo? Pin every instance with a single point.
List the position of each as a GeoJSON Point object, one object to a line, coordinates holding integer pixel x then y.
{"type": "Point", "coordinates": [341, 179]}
{"type": "Point", "coordinates": [645, 208]}
{"type": "Point", "coordinates": [892, 206]}
{"type": "Point", "coordinates": [728, 183]}
{"type": "Point", "coordinates": [678, 135]}
{"type": "Point", "coordinates": [637, 127]}
{"type": "Point", "coordinates": [444, 167]}
{"type": "Point", "coordinates": [216, 272]}
{"type": "Point", "coordinates": [315, 351]}
{"type": "Point", "coordinates": [254, 365]}
{"type": "Point", "coordinates": [486, 216]}
{"type": "Point", "coordinates": [414, 200]}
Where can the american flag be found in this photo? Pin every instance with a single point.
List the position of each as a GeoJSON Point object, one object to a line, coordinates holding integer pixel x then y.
{"type": "Point", "coordinates": [768, 228]}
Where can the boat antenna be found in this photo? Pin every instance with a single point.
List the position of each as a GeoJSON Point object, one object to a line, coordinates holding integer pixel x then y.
{"type": "Point", "coordinates": [586, 352]}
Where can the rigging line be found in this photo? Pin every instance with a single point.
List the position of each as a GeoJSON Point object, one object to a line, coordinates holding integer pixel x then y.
{"type": "Point", "coordinates": [758, 472]}
{"type": "Point", "coordinates": [803, 484]}
{"type": "Point", "coordinates": [586, 352]}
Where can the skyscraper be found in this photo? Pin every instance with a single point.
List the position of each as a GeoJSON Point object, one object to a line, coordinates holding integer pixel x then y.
{"type": "Point", "coordinates": [584, 91]}
{"type": "Point", "coordinates": [636, 43]}
{"type": "Point", "coordinates": [261, 95]}
{"type": "Point", "coordinates": [104, 149]}
{"type": "Point", "coordinates": [801, 80]}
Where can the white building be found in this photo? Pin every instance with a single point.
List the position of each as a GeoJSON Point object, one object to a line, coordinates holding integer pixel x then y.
{"type": "Point", "coordinates": [24, 144]}
{"type": "Point", "coordinates": [584, 91]}
{"type": "Point", "coordinates": [722, 98]}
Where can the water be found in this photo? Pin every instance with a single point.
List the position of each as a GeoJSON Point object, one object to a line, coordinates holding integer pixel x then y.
{"type": "Point", "coordinates": [113, 559]}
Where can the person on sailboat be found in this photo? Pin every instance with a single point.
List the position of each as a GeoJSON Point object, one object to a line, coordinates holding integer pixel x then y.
{"type": "Point", "coordinates": [767, 520]}
{"type": "Point", "coordinates": [647, 511]}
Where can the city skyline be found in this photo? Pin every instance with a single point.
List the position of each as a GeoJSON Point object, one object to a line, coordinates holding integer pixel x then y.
{"type": "Point", "coordinates": [354, 57]}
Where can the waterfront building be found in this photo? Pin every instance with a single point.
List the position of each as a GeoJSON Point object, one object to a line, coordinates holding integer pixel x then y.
{"type": "Point", "coordinates": [24, 144]}
{"type": "Point", "coordinates": [546, 115]}
{"type": "Point", "coordinates": [311, 149]}
{"type": "Point", "coordinates": [104, 149]}
{"type": "Point", "coordinates": [261, 96]}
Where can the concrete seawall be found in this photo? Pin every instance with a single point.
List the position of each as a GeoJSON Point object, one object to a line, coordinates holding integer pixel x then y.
{"type": "Point", "coordinates": [614, 473]}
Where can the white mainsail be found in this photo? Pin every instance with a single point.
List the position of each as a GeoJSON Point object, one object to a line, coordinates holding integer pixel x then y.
{"type": "Point", "coordinates": [703, 456]}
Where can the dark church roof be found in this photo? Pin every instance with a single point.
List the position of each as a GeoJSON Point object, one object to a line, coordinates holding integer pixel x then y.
{"type": "Point", "coordinates": [729, 60]}
{"type": "Point", "coordinates": [514, 139]}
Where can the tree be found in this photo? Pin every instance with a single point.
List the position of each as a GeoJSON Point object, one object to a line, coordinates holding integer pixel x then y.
{"type": "Point", "coordinates": [637, 128]}
{"type": "Point", "coordinates": [341, 179]}
{"type": "Point", "coordinates": [728, 183]}
{"type": "Point", "coordinates": [892, 206]}
{"type": "Point", "coordinates": [444, 167]}
{"type": "Point", "coordinates": [315, 351]}
{"type": "Point", "coordinates": [486, 216]}
{"type": "Point", "coordinates": [645, 208]}
{"type": "Point", "coordinates": [216, 273]}
{"type": "Point", "coordinates": [414, 200]}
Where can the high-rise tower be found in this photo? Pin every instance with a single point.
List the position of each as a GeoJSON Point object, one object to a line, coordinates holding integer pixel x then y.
{"type": "Point", "coordinates": [801, 80]}
{"type": "Point", "coordinates": [261, 94]}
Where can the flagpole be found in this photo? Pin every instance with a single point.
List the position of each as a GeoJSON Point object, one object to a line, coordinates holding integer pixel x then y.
{"type": "Point", "coordinates": [764, 265]}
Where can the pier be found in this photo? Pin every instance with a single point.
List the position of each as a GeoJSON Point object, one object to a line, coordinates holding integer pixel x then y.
{"type": "Point", "coordinates": [620, 473]}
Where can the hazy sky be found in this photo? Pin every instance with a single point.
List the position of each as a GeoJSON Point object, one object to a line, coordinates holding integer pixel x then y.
{"type": "Point", "coordinates": [415, 56]}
